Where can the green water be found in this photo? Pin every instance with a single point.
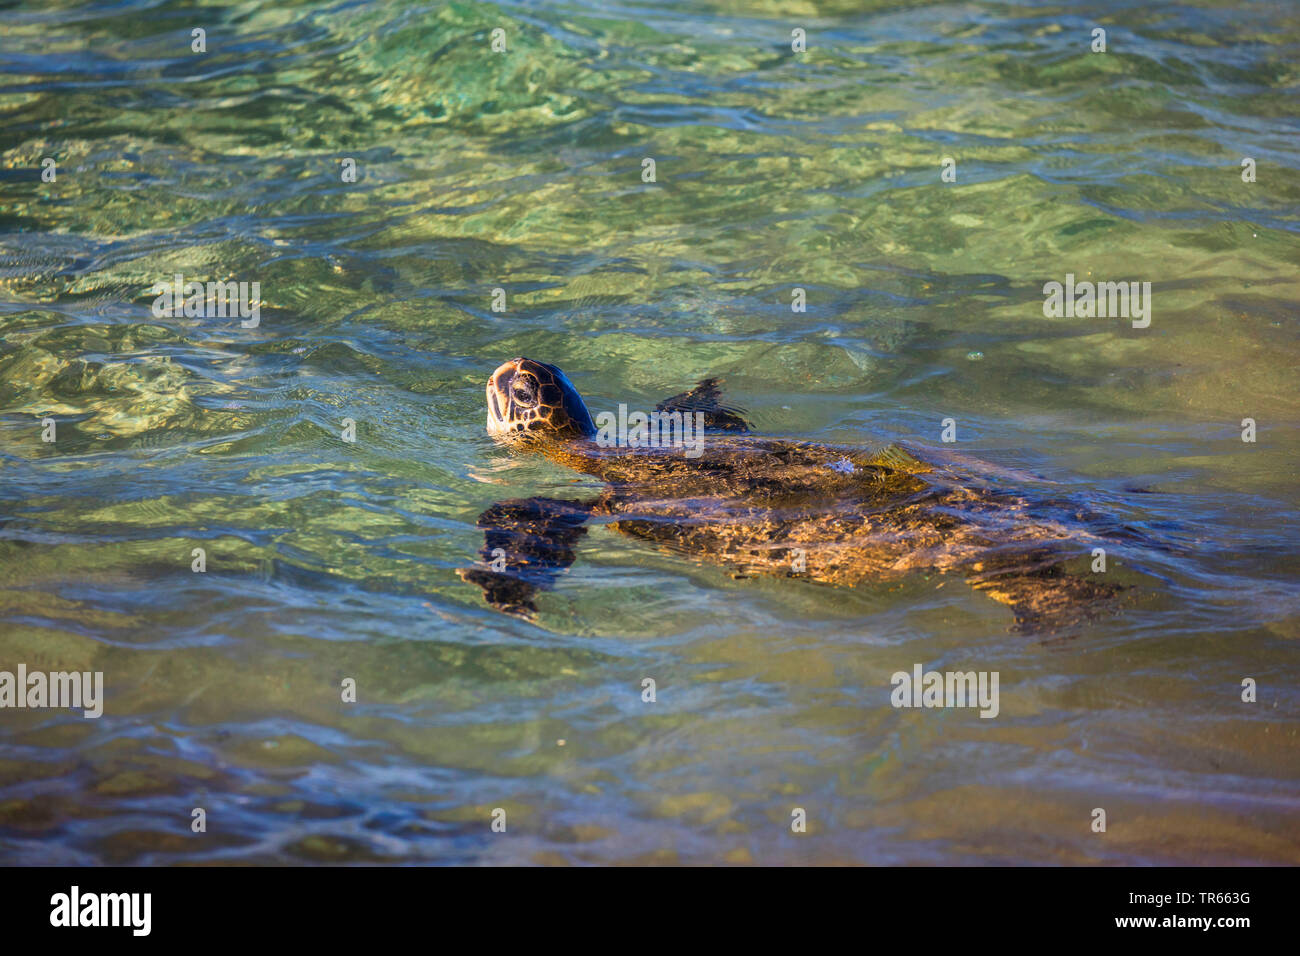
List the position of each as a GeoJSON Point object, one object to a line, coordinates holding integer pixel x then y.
{"type": "Point", "coordinates": [523, 171]}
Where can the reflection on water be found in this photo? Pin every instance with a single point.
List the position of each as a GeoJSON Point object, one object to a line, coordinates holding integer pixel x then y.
{"type": "Point", "coordinates": [328, 559]}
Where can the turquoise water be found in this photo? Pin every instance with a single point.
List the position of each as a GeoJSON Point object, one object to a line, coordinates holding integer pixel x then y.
{"type": "Point", "coordinates": [523, 171]}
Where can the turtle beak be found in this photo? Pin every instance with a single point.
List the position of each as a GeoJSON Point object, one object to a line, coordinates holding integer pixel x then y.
{"type": "Point", "coordinates": [498, 398]}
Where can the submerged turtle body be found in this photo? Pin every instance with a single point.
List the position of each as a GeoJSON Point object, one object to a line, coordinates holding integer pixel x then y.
{"type": "Point", "coordinates": [768, 506]}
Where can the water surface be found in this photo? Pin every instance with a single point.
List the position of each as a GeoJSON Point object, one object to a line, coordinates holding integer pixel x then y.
{"type": "Point", "coordinates": [522, 171]}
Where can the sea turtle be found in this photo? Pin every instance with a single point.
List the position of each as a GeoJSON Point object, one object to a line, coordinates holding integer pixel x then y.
{"type": "Point", "coordinates": [777, 506]}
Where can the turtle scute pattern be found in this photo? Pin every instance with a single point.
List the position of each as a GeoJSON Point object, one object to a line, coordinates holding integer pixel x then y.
{"type": "Point", "coordinates": [857, 517]}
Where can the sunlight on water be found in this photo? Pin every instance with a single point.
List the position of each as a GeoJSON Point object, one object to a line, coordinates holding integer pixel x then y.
{"type": "Point", "coordinates": [518, 179]}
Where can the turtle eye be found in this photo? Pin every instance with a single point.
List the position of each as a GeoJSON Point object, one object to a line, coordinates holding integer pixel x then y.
{"type": "Point", "coordinates": [522, 391]}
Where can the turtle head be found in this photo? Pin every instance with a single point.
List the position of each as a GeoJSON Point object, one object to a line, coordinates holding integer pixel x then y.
{"type": "Point", "coordinates": [528, 399]}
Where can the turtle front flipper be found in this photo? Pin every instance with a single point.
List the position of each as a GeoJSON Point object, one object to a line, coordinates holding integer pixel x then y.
{"type": "Point", "coordinates": [527, 543]}
{"type": "Point", "coordinates": [706, 398]}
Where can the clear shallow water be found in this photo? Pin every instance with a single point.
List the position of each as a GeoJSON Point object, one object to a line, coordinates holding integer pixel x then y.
{"type": "Point", "coordinates": [522, 171]}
